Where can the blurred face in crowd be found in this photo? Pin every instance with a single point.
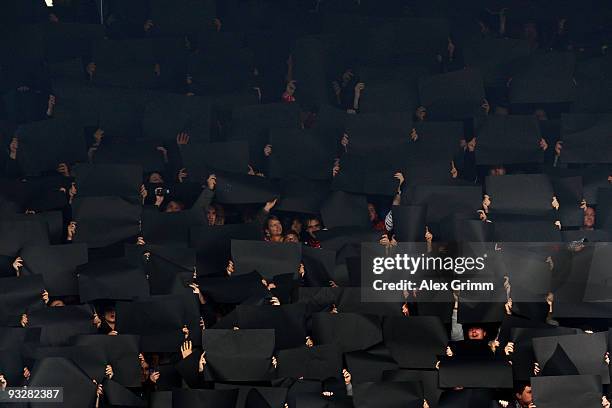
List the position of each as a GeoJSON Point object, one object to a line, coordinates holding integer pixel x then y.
{"type": "Point", "coordinates": [57, 303]}
{"type": "Point", "coordinates": [372, 212]}
{"type": "Point", "coordinates": [524, 398]}
{"type": "Point", "coordinates": [109, 316]}
{"type": "Point", "coordinates": [296, 225]}
{"type": "Point", "coordinates": [156, 178]}
{"type": "Point", "coordinates": [313, 225]}
{"type": "Point", "coordinates": [174, 206]}
{"type": "Point", "coordinates": [347, 76]}
{"type": "Point", "coordinates": [275, 228]}
{"type": "Point", "coordinates": [421, 113]}
{"type": "Point", "coordinates": [292, 237]}
{"type": "Point", "coordinates": [476, 333]}
{"type": "Point", "coordinates": [497, 171]}
{"type": "Point", "coordinates": [589, 218]}
{"type": "Point", "coordinates": [211, 215]}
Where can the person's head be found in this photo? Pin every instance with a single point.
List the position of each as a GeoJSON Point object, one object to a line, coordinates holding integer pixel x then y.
{"type": "Point", "coordinates": [522, 394]}
{"type": "Point", "coordinates": [313, 225]}
{"type": "Point", "coordinates": [274, 228]}
{"type": "Point", "coordinates": [296, 225]}
{"type": "Point", "coordinates": [291, 236]}
{"type": "Point", "coordinates": [109, 315]}
{"type": "Point", "coordinates": [471, 143]}
{"type": "Point", "coordinates": [420, 113]}
{"type": "Point", "coordinates": [211, 215]}
{"type": "Point", "coordinates": [220, 220]}
{"type": "Point", "coordinates": [589, 218]}
{"type": "Point", "coordinates": [372, 214]}
{"type": "Point", "coordinates": [155, 178]}
{"type": "Point", "coordinates": [56, 303]}
{"type": "Point", "coordinates": [347, 76]}
{"type": "Point", "coordinates": [174, 206]}
{"type": "Point", "coordinates": [476, 333]}
{"type": "Point", "coordinates": [498, 170]}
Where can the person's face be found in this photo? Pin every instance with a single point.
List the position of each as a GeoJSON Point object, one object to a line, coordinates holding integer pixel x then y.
{"type": "Point", "coordinates": [109, 316]}
{"type": "Point", "coordinates": [498, 171]}
{"type": "Point", "coordinates": [57, 303]}
{"type": "Point", "coordinates": [275, 228]}
{"type": "Point", "coordinates": [372, 212]}
{"type": "Point", "coordinates": [211, 215]}
{"type": "Point", "coordinates": [525, 398]}
{"type": "Point", "coordinates": [421, 113]}
{"type": "Point", "coordinates": [313, 226]}
{"type": "Point", "coordinates": [589, 218]}
{"type": "Point", "coordinates": [472, 145]}
{"type": "Point", "coordinates": [156, 178]}
{"type": "Point", "coordinates": [173, 206]}
{"type": "Point", "coordinates": [347, 76]}
{"type": "Point", "coordinates": [296, 225]}
{"type": "Point", "coordinates": [291, 238]}
{"type": "Point", "coordinates": [476, 333]}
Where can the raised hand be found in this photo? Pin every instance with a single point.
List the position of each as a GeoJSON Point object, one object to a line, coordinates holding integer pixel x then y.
{"type": "Point", "coordinates": [95, 320]}
{"type": "Point", "coordinates": [202, 362]}
{"type": "Point", "coordinates": [186, 348]}
{"type": "Point", "coordinates": [555, 203]}
{"type": "Point", "coordinates": [336, 168]}
{"type": "Point", "coordinates": [344, 141]}
{"type": "Point", "coordinates": [270, 204]}
{"type": "Point", "coordinates": [98, 136]}
{"type": "Point", "coordinates": [13, 148]}
{"type": "Point", "coordinates": [91, 70]}
{"type": "Point", "coordinates": [414, 136]}
{"type": "Point", "coordinates": [109, 371]}
{"type": "Point", "coordinates": [428, 235]}
{"type": "Point", "coordinates": [17, 264]}
{"type": "Point", "coordinates": [143, 193]}
{"type": "Point", "coordinates": [154, 376]}
{"type": "Point", "coordinates": [71, 230]}
{"type": "Point", "coordinates": [50, 105]}
{"type": "Point", "coordinates": [508, 307]}
{"type": "Point", "coordinates": [182, 138]}
{"type": "Point", "coordinates": [558, 148]}
{"type": "Point", "coordinates": [182, 175]}
{"type": "Point", "coordinates": [211, 182]}
{"type": "Point", "coordinates": [347, 376]}
{"type": "Point", "coordinates": [267, 150]}
{"type": "Point", "coordinates": [147, 26]}
{"type": "Point", "coordinates": [274, 362]}
{"type": "Point", "coordinates": [454, 172]}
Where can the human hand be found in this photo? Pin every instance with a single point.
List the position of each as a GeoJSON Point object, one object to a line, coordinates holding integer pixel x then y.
{"type": "Point", "coordinates": [186, 348]}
